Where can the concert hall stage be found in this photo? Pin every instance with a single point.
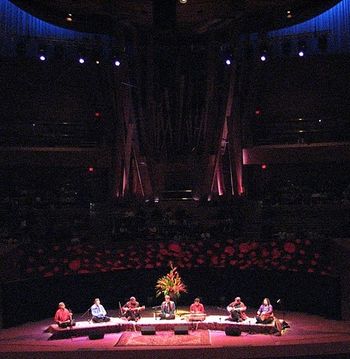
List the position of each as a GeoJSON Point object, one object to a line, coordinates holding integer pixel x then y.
{"type": "Point", "coordinates": [309, 336]}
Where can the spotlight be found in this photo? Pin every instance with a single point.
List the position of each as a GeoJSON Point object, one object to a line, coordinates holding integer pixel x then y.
{"type": "Point", "coordinates": [289, 14]}
{"type": "Point", "coordinates": [91, 169]}
{"type": "Point", "coordinates": [82, 54]}
{"type": "Point", "coordinates": [183, 1]}
{"type": "Point", "coordinates": [301, 48]}
{"type": "Point", "coordinates": [117, 55]}
{"type": "Point", "coordinates": [97, 55]}
{"type": "Point", "coordinates": [226, 55]}
{"type": "Point", "coordinates": [263, 166]}
{"type": "Point", "coordinates": [42, 53]}
{"type": "Point", "coordinates": [69, 17]}
{"type": "Point", "coordinates": [263, 51]}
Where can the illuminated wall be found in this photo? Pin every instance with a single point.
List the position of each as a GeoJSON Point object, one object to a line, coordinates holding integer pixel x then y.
{"type": "Point", "coordinates": [335, 22]}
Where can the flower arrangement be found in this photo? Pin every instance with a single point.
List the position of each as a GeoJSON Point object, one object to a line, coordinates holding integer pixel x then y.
{"type": "Point", "coordinates": [171, 284]}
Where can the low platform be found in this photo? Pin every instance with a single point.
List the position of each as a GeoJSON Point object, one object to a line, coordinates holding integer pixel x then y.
{"type": "Point", "coordinates": [309, 336]}
{"type": "Point", "coordinates": [116, 325]}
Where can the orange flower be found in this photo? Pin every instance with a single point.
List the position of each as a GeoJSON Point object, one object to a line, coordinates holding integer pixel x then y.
{"type": "Point", "coordinates": [170, 284]}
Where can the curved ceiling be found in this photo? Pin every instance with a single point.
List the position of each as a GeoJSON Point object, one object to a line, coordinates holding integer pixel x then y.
{"type": "Point", "coordinates": [195, 16]}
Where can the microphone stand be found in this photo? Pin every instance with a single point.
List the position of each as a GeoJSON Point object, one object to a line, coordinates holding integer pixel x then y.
{"type": "Point", "coordinates": [155, 309]}
{"type": "Point", "coordinates": [285, 325]}
{"type": "Point", "coordinates": [120, 310]}
{"type": "Point", "coordinates": [83, 315]}
{"type": "Point", "coordinates": [70, 326]}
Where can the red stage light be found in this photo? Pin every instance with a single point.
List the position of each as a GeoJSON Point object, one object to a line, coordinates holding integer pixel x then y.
{"type": "Point", "coordinates": [264, 166]}
{"type": "Point", "coordinates": [91, 169]}
{"type": "Point", "coordinates": [258, 112]}
{"type": "Point", "coordinates": [97, 114]}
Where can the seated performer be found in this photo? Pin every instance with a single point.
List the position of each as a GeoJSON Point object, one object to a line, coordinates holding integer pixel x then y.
{"type": "Point", "coordinates": [237, 310]}
{"type": "Point", "coordinates": [98, 312]}
{"type": "Point", "coordinates": [167, 309]}
{"type": "Point", "coordinates": [131, 309]}
{"type": "Point", "coordinates": [63, 317]}
{"type": "Point", "coordinates": [197, 307]}
{"type": "Point", "coordinates": [197, 312]}
{"type": "Point", "coordinates": [265, 312]}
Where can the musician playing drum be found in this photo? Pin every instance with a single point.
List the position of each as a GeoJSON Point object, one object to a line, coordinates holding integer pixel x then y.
{"type": "Point", "coordinates": [237, 310]}
{"type": "Point", "coordinates": [265, 312]}
{"type": "Point", "coordinates": [132, 310]}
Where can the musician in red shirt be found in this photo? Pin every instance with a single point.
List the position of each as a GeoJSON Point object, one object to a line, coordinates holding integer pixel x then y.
{"type": "Point", "coordinates": [197, 307]}
{"type": "Point", "coordinates": [63, 317]}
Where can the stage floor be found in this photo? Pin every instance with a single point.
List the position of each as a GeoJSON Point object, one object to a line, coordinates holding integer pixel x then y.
{"type": "Point", "coordinates": [116, 325]}
{"type": "Point", "coordinates": [308, 336]}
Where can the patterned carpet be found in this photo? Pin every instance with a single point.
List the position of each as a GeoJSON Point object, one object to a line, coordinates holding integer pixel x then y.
{"type": "Point", "coordinates": [164, 338]}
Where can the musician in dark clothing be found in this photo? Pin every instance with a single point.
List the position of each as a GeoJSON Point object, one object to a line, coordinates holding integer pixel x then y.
{"type": "Point", "coordinates": [237, 310]}
{"type": "Point", "coordinates": [167, 308]}
{"type": "Point", "coordinates": [131, 309]}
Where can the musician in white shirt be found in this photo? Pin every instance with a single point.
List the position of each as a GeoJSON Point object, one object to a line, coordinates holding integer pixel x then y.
{"type": "Point", "coordinates": [98, 312]}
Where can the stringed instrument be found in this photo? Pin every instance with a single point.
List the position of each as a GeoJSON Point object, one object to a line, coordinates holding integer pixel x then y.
{"type": "Point", "coordinates": [136, 309]}
{"type": "Point", "coordinates": [232, 309]}
{"type": "Point", "coordinates": [196, 317]}
{"type": "Point", "coordinates": [265, 316]}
